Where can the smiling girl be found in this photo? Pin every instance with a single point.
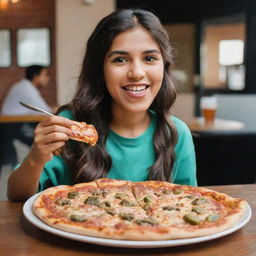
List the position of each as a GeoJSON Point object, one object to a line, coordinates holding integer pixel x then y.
{"type": "Point", "coordinates": [125, 90]}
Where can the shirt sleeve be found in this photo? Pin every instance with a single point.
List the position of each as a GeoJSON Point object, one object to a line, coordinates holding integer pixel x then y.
{"type": "Point", "coordinates": [184, 170]}
{"type": "Point", "coordinates": [55, 173]}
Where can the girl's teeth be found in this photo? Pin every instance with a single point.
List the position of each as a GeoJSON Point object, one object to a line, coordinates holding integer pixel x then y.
{"type": "Point", "coordinates": [136, 88]}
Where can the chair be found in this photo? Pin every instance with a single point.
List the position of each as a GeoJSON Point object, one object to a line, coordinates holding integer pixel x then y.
{"type": "Point", "coordinates": [227, 158]}
{"type": "Point", "coordinates": [10, 132]}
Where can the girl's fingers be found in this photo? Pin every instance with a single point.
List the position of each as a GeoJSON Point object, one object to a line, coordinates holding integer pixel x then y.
{"type": "Point", "coordinates": [44, 130]}
{"type": "Point", "coordinates": [56, 120]}
{"type": "Point", "coordinates": [51, 138]}
{"type": "Point", "coordinates": [51, 134]}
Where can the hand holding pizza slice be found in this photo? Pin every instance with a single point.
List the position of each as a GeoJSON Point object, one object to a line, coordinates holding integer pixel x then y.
{"type": "Point", "coordinates": [52, 133]}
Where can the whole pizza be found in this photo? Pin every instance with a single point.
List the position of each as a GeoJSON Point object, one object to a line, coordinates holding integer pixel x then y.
{"type": "Point", "coordinates": [150, 210]}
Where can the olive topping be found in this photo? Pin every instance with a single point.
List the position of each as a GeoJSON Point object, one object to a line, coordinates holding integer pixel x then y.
{"type": "Point", "coordinates": [177, 191]}
{"type": "Point", "coordinates": [93, 200]}
{"type": "Point", "coordinates": [193, 219]}
{"type": "Point", "coordinates": [147, 199]}
{"type": "Point", "coordinates": [72, 195]}
{"type": "Point", "coordinates": [95, 193]}
{"type": "Point", "coordinates": [189, 196]}
{"type": "Point", "coordinates": [120, 195]}
{"type": "Point", "coordinates": [126, 216]}
{"type": "Point", "coordinates": [145, 221]}
{"type": "Point", "coordinates": [125, 202]}
{"type": "Point", "coordinates": [212, 217]}
{"type": "Point", "coordinates": [200, 200]}
{"type": "Point", "coordinates": [197, 209]}
{"type": "Point", "coordinates": [110, 211]}
{"type": "Point", "coordinates": [166, 192]}
{"type": "Point", "coordinates": [63, 202]}
{"type": "Point", "coordinates": [171, 208]}
{"type": "Point", "coordinates": [104, 193]}
{"type": "Point", "coordinates": [78, 218]}
{"type": "Point", "coordinates": [106, 204]}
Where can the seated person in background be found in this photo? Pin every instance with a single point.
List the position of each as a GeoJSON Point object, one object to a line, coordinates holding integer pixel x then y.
{"type": "Point", "coordinates": [25, 90]}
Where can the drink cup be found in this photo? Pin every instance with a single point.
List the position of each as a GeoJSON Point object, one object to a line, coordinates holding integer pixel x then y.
{"type": "Point", "coordinates": [208, 107]}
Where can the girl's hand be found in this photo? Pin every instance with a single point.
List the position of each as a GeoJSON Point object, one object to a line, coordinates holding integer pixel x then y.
{"type": "Point", "coordinates": [50, 135]}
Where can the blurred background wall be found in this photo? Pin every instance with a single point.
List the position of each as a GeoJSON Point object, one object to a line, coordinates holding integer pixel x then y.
{"type": "Point", "coordinates": [75, 21]}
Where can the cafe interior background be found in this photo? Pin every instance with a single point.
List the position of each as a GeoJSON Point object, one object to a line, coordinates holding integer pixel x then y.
{"type": "Point", "coordinates": [215, 46]}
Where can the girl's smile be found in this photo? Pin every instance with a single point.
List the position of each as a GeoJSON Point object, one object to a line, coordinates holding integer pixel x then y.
{"type": "Point", "coordinates": [136, 90]}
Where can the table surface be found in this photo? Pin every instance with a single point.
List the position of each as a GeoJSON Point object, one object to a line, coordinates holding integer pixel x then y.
{"type": "Point", "coordinates": [20, 237]}
{"type": "Point", "coordinates": [198, 124]}
{"type": "Point", "coordinates": [23, 118]}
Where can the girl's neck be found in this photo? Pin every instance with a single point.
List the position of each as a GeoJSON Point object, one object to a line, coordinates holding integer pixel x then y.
{"type": "Point", "coordinates": [129, 125]}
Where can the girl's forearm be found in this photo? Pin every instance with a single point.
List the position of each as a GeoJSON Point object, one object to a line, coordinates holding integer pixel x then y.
{"type": "Point", "coordinates": [24, 181]}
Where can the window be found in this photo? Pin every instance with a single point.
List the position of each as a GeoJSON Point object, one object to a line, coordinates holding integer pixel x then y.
{"type": "Point", "coordinates": [231, 52]}
{"type": "Point", "coordinates": [5, 48]}
{"type": "Point", "coordinates": [33, 47]}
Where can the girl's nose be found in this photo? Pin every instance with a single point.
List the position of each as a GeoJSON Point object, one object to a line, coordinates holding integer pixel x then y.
{"type": "Point", "coordinates": [136, 72]}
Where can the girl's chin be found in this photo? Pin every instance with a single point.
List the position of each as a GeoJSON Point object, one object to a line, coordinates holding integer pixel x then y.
{"type": "Point", "coordinates": [132, 107]}
{"type": "Point", "coordinates": [138, 110]}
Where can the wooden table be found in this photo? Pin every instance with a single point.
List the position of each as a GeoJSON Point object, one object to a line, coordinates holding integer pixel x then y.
{"type": "Point", "coordinates": [20, 237]}
{"type": "Point", "coordinates": [20, 119]}
{"type": "Point", "coordinates": [198, 124]}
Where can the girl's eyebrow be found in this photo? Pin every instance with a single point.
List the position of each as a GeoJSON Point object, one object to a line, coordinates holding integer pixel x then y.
{"type": "Point", "coordinates": [118, 52]}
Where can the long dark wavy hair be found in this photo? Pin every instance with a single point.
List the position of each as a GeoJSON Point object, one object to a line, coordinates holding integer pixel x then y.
{"type": "Point", "coordinates": [92, 102]}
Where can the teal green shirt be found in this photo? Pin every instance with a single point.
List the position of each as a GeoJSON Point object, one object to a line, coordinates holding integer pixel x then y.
{"type": "Point", "coordinates": [132, 157]}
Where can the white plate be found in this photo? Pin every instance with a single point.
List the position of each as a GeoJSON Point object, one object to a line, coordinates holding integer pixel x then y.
{"type": "Point", "coordinates": [30, 216]}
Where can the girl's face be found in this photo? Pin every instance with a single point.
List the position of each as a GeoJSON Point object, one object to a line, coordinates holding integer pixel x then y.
{"type": "Point", "coordinates": [133, 70]}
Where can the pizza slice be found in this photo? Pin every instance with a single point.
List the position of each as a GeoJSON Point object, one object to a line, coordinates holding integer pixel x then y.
{"type": "Point", "coordinates": [146, 193]}
{"type": "Point", "coordinates": [79, 209]}
{"type": "Point", "coordinates": [192, 211]}
{"type": "Point", "coordinates": [122, 203]}
{"type": "Point", "coordinates": [82, 131]}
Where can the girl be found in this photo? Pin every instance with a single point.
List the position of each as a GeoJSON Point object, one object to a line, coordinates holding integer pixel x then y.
{"type": "Point", "coordinates": [125, 90]}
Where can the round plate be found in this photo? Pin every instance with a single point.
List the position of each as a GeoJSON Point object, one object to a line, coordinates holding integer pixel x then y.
{"type": "Point", "coordinates": [31, 217]}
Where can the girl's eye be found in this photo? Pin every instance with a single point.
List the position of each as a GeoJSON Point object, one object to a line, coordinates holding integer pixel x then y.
{"type": "Point", "coordinates": [150, 58]}
{"type": "Point", "coordinates": [119, 60]}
